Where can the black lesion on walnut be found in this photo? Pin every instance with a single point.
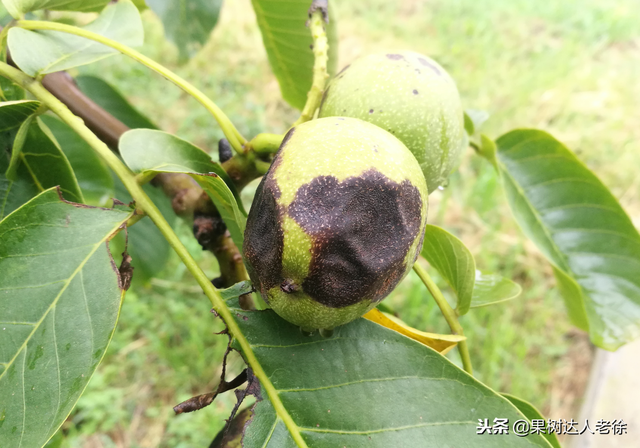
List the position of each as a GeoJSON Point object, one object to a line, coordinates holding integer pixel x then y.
{"type": "Point", "coordinates": [426, 63]}
{"type": "Point", "coordinates": [362, 229]}
{"type": "Point", "coordinates": [324, 96]}
{"type": "Point", "coordinates": [343, 70]}
{"type": "Point", "coordinates": [288, 286]}
{"type": "Point", "coordinates": [263, 238]}
{"type": "Point", "coordinates": [285, 140]}
{"type": "Point", "coordinates": [395, 57]}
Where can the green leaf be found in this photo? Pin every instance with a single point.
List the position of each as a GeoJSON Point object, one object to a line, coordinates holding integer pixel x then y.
{"type": "Point", "coordinates": [148, 248]}
{"type": "Point", "coordinates": [288, 43]}
{"type": "Point", "coordinates": [140, 4]}
{"type": "Point", "coordinates": [235, 291]}
{"type": "Point", "coordinates": [10, 91]}
{"type": "Point", "coordinates": [59, 302]}
{"type": "Point", "coordinates": [93, 176]}
{"type": "Point", "coordinates": [145, 150]}
{"type": "Point", "coordinates": [16, 149]}
{"type": "Point", "coordinates": [17, 192]}
{"type": "Point", "coordinates": [469, 127]}
{"type": "Point", "coordinates": [41, 52]}
{"type": "Point", "coordinates": [487, 148]}
{"type": "Point", "coordinates": [451, 258]}
{"type": "Point", "coordinates": [581, 229]}
{"type": "Point", "coordinates": [17, 8]}
{"type": "Point", "coordinates": [573, 299]}
{"type": "Point", "coordinates": [5, 17]}
{"type": "Point", "coordinates": [366, 386]}
{"type": "Point", "coordinates": [491, 288]}
{"type": "Point", "coordinates": [107, 97]}
{"type": "Point", "coordinates": [187, 23]}
{"type": "Point", "coordinates": [46, 163]}
{"type": "Point", "coordinates": [532, 413]}
{"type": "Point", "coordinates": [473, 120]}
{"type": "Point", "coordinates": [14, 113]}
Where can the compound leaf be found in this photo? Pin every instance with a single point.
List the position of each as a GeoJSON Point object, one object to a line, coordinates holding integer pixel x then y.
{"type": "Point", "coordinates": [581, 229]}
{"type": "Point", "coordinates": [288, 43]}
{"type": "Point", "coordinates": [16, 117]}
{"type": "Point", "coordinates": [59, 299]}
{"type": "Point", "coordinates": [41, 52]}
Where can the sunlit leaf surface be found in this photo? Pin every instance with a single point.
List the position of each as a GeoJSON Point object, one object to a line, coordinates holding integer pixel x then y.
{"type": "Point", "coordinates": [451, 258]}
{"type": "Point", "coordinates": [582, 230]}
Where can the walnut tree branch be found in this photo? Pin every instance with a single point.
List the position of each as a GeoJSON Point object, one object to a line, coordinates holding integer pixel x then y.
{"type": "Point", "coordinates": [188, 199]}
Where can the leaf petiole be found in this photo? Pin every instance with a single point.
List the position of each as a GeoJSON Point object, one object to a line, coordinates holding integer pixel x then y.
{"type": "Point", "coordinates": [265, 143]}
{"type": "Point", "coordinates": [449, 314]}
{"type": "Point", "coordinates": [321, 58]}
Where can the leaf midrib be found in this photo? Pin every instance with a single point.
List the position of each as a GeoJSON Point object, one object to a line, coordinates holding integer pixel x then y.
{"type": "Point", "coordinates": [538, 218]}
{"type": "Point", "coordinates": [89, 44]}
{"type": "Point", "coordinates": [307, 429]}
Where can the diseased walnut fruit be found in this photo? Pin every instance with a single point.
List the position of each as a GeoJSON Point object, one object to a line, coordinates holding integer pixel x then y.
{"type": "Point", "coordinates": [336, 223]}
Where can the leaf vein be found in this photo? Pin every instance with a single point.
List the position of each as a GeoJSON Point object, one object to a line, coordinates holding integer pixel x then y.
{"type": "Point", "coordinates": [368, 380]}
{"type": "Point", "coordinates": [381, 430]}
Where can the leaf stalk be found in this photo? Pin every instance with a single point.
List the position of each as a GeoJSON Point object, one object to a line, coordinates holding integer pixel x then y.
{"type": "Point", "coordinates": [449, 314]}
{"type": "Point", "coordinates": [320, 74]}
{"type": "Point", "coordinates": [265, 143]}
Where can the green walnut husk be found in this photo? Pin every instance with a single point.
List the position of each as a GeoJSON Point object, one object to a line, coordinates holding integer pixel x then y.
{"type": "Point", "coordinates": [411, 96]}
{"type": "Point", "coordinates": [336, 222]}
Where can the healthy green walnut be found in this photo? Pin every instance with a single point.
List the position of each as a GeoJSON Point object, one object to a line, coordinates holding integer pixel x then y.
{"type": "Point", "coordinates": [410, 96]}
{"type": "Point", "coordinates": [336, 222]}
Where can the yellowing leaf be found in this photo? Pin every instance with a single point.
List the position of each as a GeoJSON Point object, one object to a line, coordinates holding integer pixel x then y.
{"type": "Point", "coordinates": [439, 342]}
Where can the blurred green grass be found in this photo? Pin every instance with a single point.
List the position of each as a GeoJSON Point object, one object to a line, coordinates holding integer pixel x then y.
{"type": "Point", "coordinates": [570, 68]}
